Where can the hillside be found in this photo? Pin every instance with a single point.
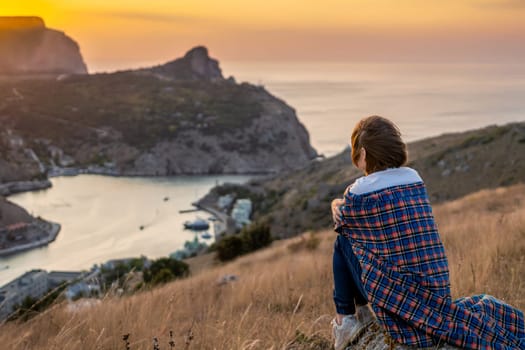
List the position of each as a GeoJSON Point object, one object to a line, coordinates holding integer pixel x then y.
{"type": "Point", "coordinates": [282, 298]}
{"type": "Point", "coordinates": [27, 46]}
{"type": "Point", "coordinates": [451, 165]}
{"type": "Point", "coordinates": [182, 117]}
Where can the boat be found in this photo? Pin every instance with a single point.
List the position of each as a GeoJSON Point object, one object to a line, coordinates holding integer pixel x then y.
{"type": "Point", "coordinates": [206, 235]}
{"type": "Point", "coordinates": [198, 224]}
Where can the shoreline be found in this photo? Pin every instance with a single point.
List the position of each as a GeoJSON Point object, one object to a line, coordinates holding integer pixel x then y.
{"type": "Point", "coordinates": [9, 188]}
{"type": "Point", "coordinates": [52, 235]}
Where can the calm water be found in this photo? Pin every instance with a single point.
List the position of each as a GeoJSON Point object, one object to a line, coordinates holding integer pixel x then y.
{"type": "Point", "coordinates": [423, 99]}
{"type": "Point", "coordinates": [100, 216]}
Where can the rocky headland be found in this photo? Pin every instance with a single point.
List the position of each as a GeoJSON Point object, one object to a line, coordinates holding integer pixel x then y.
{"type": "Point", "coordinates": [28, 47]}
{"type": "Point", "coordinates": [20, 231]}
{"type": "Point", "coordinates": [182, 117]}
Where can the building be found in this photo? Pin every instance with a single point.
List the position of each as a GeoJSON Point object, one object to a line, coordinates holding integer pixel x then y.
{"type": "Point", "coordinates": [56, 278]}
{"type": "Point", "coordinates": [37, 283]}
{"type": "Point", "coordinates": [32, 284]}
{"type": "Point", "coordinates": [241, 212]}
{"type": "Point", "coordinates": [224, 202]}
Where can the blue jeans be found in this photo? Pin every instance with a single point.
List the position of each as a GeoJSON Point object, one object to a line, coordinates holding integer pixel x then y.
{"type": "Point", "coordinates": [348, 288]}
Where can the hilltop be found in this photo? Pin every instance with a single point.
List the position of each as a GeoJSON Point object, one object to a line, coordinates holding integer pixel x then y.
{"type": "Point", "coordinates": [282, 296]}
{"type": "Point", "coordinates": [28, 47]}
{"type": "Point", "coordinates": [182, 117]}
{"type": "Point", "coordinates": [452, 165]}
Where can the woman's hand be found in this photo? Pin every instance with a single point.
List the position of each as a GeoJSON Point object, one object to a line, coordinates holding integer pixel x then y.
{"type": "Point", "coordinates": [336, 210]}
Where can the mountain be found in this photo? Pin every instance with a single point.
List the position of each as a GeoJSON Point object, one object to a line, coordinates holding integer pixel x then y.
{"type": "Point", "coordinates": [28, 47]}
{"type": "Point", "coordinates": [452, 165]}
{"type": "Point", "coordinates": [182, 117]}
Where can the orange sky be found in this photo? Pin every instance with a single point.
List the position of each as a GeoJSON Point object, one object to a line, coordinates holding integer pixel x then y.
{"type": "Point", "coordinates": [130, 33]}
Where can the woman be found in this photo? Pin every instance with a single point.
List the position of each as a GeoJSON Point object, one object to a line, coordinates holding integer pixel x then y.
{"type": "Point", "coordinates": [388, 253]}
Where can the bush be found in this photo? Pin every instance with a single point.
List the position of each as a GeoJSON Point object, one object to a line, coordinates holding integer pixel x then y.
{"type": "Point", "coordinates": [229, 248]}
{"type": "Point", "coordinates": [254, 237]}
{"type": "Point", "coordinates": [164, 270]}
{"type": "Point", "coordinates": [163, 276]}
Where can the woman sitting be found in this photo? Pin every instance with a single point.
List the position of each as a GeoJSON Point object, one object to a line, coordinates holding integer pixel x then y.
{"type": "Point", "coordinates": [388, 253]}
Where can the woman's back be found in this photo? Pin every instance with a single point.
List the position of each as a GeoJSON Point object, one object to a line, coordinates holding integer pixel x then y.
{"type": "Point", "coordinates": [395, 238]}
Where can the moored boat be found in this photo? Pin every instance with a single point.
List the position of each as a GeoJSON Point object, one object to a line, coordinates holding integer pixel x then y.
{"type": "Point", "coordinates": [197, 224]}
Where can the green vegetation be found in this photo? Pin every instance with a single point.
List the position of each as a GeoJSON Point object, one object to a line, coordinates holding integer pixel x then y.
{"type": "Point", "coordinates": [154, 272]}
{"type": "Point", "coordinates": [251, 238]}
{"type": "Point", "coordinates": [141, 107]}
{"type": "Point", "coordinates": [164, 270]}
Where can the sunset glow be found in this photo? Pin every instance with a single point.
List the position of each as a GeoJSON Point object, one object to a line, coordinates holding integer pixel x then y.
{"type": "Point", "coordinates": [141, 32]}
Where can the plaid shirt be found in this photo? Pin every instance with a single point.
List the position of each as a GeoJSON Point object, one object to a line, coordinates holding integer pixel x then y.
{"type": "Point", "coordinates": [405, 274]}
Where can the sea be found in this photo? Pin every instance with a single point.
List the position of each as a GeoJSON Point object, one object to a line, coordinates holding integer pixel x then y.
{"type": "Point", "coordinates": [102, 216]}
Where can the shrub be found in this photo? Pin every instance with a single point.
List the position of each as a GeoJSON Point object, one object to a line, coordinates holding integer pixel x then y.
{"type": "Point", "coordinates": [163, 276]}
{"type": "Point", "coordinates": [229, 248]}
{"type": "Point", "coordinates": [164, 270]}
{"type": "Point", "coordinates": [253, 237]}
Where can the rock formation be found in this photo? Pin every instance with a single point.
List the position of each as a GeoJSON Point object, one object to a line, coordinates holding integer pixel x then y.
{"type": "Point", "coordinates": [28, 47]}
{"type": "Point", "coordinates": [195, 65]}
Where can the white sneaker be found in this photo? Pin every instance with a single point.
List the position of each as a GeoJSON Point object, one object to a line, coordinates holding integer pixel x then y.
{"type": "Point", "coordinates": [347, 332]}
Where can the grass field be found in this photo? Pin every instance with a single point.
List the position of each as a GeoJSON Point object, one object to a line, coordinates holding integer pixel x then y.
{"type": "Point", "coordinates": [282, 289]}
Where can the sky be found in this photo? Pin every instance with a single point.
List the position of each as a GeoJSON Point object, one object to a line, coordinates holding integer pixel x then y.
{"type": "Point", "coordinates": [131, 33]}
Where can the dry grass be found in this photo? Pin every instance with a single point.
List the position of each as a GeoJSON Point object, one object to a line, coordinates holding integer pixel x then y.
{"type": "Point", "coordinates": [282, 289]}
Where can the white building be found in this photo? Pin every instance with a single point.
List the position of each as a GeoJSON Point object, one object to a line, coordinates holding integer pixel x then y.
{"type": "Point", "coordinates": [241, 212]}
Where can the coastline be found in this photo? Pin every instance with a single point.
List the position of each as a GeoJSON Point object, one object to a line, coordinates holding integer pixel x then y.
{"type": "Point", "coordinates": [9, 188]}
{"type": "Point", "coordinates": [52, 230]}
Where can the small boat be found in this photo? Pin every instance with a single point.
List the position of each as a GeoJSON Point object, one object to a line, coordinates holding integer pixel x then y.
{"type": "Point", "coordinates": [198, 224]}
{"type": "Point", "coordinates": [206, 235]}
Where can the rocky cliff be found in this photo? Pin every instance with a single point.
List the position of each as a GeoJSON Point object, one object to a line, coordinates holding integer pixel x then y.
{"type": "Point", "coordinates": [183, 117]}
{"type": "Point", "coordinates": [28, 47]}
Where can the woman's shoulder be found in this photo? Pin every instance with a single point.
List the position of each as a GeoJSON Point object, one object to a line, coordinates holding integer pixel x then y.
{"type": "Point", "coordinates": [384, 179]}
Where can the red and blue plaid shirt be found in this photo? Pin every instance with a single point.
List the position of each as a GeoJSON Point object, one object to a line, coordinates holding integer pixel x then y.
{"type": "Point", "coordinates": [406, 276]}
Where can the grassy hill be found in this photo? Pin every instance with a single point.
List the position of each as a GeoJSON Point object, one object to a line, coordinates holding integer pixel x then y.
{"type": "Point", "coordinates": [451, 165]}
{"type": "Point", "coordinates": [281, 290]}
